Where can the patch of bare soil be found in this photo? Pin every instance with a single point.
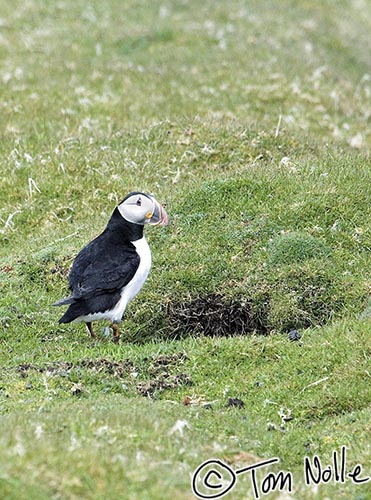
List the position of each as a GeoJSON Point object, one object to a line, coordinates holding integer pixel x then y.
{"type": "Point", "coordinates": [162, 368]}
{"type": "Point", "coordinates": [116, 368]}
{"type": "Point", "coordinates": [165, 381]}
{"type": "Point", "coordinates": [160, 372]}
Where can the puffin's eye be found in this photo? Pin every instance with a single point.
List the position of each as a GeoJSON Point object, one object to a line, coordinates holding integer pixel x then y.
{"type": "Point", "coordinates": [139, 202]}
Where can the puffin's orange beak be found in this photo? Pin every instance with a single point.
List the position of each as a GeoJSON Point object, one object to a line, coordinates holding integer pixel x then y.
{"type": "Point", "coordinates": [159, 216]}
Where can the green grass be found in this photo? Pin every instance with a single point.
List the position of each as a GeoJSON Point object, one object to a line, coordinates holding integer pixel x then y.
{"type": "Point", "coordinates": [251, 121]}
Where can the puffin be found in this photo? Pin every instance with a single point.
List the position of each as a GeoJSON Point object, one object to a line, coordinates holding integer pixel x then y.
{"type": "Point", "coordinates": [110, 270]}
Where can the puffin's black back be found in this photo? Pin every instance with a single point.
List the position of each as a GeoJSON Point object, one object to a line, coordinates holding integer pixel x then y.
{"type": "Point", "coordinates": [102, 268]}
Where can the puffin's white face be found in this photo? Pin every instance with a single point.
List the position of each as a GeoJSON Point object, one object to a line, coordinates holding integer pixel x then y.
{"type": "Point", "coordinates": [141, 208]}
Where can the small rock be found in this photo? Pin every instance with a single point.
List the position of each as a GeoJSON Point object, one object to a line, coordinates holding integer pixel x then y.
{"type": "Point", "coordinates": [235, 402]}
{"type": "Point", "coordinates": [294, 335]}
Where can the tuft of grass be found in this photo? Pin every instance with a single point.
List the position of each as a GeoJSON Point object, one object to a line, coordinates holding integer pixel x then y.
{"type": "Point", "coordinates": [296, 247]}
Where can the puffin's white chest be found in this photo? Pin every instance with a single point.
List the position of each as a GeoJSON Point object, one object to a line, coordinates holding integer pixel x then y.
{"type": "Point", "coordinates": [132, 288]}
{"type": "Point", "coordinates": [140, 276]}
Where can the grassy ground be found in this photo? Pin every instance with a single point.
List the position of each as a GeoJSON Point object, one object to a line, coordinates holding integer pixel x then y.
{"type": "Point", "coordinates": [251, 120]}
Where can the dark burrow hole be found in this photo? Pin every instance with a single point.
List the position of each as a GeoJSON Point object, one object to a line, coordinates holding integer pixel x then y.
{"type": "Point", "coordinates": [216, 315]}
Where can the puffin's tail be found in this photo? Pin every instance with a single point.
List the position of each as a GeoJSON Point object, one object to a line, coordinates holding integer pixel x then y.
{"type": "Point", "coordinates": [67, 316]}
{"type": "Point", "coordinates": [64, 302]}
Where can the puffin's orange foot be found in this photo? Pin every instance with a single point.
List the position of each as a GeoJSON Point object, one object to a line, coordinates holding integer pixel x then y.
{"type": "Point", "coordinates": [116, 333]}
{"type": "Point", "coordinates": [89, 326]}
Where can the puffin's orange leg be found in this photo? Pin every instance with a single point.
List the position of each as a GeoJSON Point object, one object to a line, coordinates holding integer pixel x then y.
{"type": "Point", "coordinates": [116, 332]}
{"type": "Point", "coordinates": [89, 326]}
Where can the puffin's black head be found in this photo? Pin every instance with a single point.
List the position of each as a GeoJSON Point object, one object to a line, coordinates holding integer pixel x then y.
{"type": "Point", "coordinates": [140, 208]}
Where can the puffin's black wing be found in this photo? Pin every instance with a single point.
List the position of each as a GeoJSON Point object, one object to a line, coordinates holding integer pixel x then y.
{"type": "Point", "coordinates": [103, 266]}
{"type": "Point", "coordinates": [107, 276]}
{"type": "Point", "coordinates": [98, 274]}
